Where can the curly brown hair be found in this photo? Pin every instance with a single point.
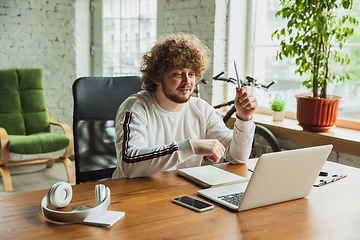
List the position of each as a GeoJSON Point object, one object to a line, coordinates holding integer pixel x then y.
{"type": "Point", "coordinates": [173, 50]}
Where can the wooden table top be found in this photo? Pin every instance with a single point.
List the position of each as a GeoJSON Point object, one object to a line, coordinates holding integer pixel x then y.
{"type": "Point", "coordinates": [329, 212]}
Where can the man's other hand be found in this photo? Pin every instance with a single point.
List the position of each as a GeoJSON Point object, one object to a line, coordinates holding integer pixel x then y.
{"type": "Point", "coordinates": [209, 147]}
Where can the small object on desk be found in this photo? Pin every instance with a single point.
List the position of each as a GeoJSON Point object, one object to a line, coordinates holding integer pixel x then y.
{"type": "Point", "coordinates": [193, 203]}
{"type": "Point", "coordinates": [210, 176]}
{"type": "Point", "coordinates": [251, 169]}
{"type": "Point", "coordinates": [60, 195]}
{"type": "Point", "coordinates": [327, 177]}
{"type": "Point", "coordinates": [323, 178]}
{"type": "Point", "coordinates": [107, 219]}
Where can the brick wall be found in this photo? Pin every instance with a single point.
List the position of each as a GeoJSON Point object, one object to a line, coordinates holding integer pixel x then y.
{"type": "Point", "coordinates": [198, 17]}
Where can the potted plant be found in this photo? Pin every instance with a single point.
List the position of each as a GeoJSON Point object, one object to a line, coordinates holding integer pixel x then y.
{"type": "Point", "coordinates": [314, 35]}
{"type": "Point", "coordinates": [278, 107]}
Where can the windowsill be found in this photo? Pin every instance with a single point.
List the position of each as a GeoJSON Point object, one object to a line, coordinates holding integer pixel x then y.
{"type": "Point", "coordinates": [344, 140]}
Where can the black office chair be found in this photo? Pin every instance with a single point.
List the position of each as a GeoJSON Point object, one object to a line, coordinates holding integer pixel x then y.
{"type": "Point", "coordinates": [96, 101]}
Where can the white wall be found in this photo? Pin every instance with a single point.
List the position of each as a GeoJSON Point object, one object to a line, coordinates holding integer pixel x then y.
{"type": "Point", "coordinates": [82, 38]}
{"type": "Point", "coordinates": [198, 17]}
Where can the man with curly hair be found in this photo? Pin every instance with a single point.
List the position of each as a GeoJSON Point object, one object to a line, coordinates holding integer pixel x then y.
{"type": "Point", "coordinates": [164, 128]}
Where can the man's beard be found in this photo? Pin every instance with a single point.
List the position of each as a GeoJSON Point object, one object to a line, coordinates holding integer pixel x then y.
{"type": "Point", "coordinates": [174, 97]}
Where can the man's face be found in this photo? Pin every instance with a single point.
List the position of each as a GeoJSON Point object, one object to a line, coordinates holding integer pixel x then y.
{"type": "Point", "coordinates": [178, 84]}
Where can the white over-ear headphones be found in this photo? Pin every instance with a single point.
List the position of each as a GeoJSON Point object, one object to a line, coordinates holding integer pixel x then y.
{"type": "Point", "coordinates": [60, 195]}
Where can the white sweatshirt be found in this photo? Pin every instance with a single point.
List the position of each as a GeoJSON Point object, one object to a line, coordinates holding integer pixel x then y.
{"type": "Point", "coordinates": [150, 139]}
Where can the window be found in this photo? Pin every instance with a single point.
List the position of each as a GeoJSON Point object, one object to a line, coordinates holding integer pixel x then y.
{"type": "Point", "coordinates": [266, 68]}
{"type": "Point", "coordinates": [129, 30]}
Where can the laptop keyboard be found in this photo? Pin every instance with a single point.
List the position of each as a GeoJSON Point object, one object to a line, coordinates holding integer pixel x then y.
{"type": "Point", "coordinates": [234, 198]}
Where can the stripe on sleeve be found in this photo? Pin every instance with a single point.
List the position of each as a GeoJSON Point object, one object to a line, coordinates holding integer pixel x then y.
{"type": "Point", "coordinates": [142, 157]}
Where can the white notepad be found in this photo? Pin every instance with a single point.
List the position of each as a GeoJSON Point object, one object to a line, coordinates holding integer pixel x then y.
{"type": "Point", "coordinates": [209, 176]}
{"type": "Point", "coordinates": [105, 220]}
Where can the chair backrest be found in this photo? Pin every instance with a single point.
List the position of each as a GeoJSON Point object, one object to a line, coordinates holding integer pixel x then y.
{"type": "Point", "coordinates": [23, 108]}
{"type": "Point", "coordinates": [96, 101]}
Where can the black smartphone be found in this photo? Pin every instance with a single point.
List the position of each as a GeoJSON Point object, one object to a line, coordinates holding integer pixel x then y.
{"type": "Point", "coordinates": [192, 203]}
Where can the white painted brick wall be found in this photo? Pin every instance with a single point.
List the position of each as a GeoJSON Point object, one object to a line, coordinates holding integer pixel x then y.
{"type": "Point", "coordinates": [196, 17]}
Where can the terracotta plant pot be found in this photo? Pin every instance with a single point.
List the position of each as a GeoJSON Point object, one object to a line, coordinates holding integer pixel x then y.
{"type": "Point", "coordinates": [316, 114]}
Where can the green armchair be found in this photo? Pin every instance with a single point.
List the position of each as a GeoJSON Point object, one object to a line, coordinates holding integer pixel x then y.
{"type": "Point", "coordinates": [25, 125]}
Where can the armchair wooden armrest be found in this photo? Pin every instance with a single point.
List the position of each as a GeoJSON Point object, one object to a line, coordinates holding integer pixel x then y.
{"type": "Point", "coordinates": [4, 140]}
{"type": "Point", "coordinates": [67, 130]}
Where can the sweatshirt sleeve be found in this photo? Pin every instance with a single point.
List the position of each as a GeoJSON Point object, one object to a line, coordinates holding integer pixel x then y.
{"type": "Point", "coordinates": [238, 142]}
{"type": "Point", "coordinates": [240, 146]}
{"type": "Point", "coordinates": [134, 155]}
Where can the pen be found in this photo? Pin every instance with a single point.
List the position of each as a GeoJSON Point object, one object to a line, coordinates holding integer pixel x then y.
{"type": "Point", "coordinates": [237, 76]}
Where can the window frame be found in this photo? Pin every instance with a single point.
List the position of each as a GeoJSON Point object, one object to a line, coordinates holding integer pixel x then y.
{"type": "Point", "coordinates": [97, 37]}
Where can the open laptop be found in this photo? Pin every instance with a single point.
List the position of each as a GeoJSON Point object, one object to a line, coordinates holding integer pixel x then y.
{"type": "Point", "coordinates": [277, 177]}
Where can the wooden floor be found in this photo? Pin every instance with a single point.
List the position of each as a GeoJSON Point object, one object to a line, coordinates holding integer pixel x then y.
{"type": "Point", "coordinates": [35, 177]}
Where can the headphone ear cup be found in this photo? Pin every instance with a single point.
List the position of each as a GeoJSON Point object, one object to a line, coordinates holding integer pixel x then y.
{"type": "Point", "coordinates": [100, 193]}
{"type": "Point", "coordinates": [60, 194]}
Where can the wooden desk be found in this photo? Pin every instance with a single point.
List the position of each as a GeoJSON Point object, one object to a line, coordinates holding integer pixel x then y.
{"type": "Point", "coordinates": [329, 212]}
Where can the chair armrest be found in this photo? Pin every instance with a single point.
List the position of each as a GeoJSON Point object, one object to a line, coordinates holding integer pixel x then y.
{"type": "Point", "coordinates": [67, 131]}
{"type": "Point", "coordinates": [4, 141]}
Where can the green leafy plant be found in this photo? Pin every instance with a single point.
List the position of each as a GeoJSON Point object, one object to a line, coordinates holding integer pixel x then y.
{"type": "Point", "coordinates": [314, 30]}
{"type": "Point", "coordinates": [278, 105]}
